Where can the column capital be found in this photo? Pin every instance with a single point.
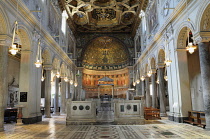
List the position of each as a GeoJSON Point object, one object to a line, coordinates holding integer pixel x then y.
{"type": "Point", "coordinates": [47, 66]}
{"type": "Point", "coordinates": [203, 36]}
{"type": "Point", "coordinates": [161, 65]}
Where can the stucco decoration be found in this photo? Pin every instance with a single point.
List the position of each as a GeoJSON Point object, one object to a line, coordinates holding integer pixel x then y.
{"type": "Point", "coordinates": [24, 39]}
{"type": "Point", "coordinates": [153, 63]}
{"type": "Point", "coordinates": [47, 59]}
{"type": "Point", "coordinates": [56, 64]}
{"type": "Point", "coordinates": [3, 26]}
{"type": "Point", "coordinates": [105, 53]}
{"type": "Point", "coordinates": [161, 56]}
{"type": "Point", "coordinates": [205, 22]}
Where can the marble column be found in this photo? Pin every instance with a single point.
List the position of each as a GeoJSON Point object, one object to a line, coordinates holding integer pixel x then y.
{"type": "Point", "coordinates": [3, 83]}
{"type": "Point", "coordinates": [205, 78]}
{"type": "Point", "coordinates": [143, 88]}
{"type": "Point", "coordinates": [162, 91]}
{"type": "Point", "coordinates": [148, 98]}
{"type": "Point", "coordinates": [63, 96]}
{"type": "Point", "coordinates": [154, 91]}
{"type": "Point", "coordinates": [47, 93]}
{"type": "Point", "coordinates": [56, 100]}
{"type": "Point", "coordinates": [68, 91]}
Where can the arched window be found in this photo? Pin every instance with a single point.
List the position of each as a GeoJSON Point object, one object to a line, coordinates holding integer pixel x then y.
{"type": "Point", "coordinates": [143, 21]}
{"type": "Point", "coordinates": [63, 24]}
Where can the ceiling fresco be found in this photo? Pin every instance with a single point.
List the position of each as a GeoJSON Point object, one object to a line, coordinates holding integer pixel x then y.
{"type": "Point", "coordinates": [105, 53]}
{"type": "Point", "coordinates": [103, 15]}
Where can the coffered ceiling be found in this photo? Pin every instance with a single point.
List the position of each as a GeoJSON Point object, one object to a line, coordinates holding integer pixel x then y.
{"type": "Point", "coordinates": [103, 15]}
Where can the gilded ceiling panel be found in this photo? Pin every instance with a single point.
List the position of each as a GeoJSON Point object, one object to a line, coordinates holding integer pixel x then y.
{"type": "Point", "coordinates": [103, 15]}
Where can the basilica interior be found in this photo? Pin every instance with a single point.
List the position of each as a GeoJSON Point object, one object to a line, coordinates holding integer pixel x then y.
{"type": "Point", "coordinates": [94, 69]}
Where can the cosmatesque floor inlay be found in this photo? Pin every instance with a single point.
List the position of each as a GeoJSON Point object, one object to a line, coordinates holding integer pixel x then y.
{"type": "Point", "coordinates": [55, 128]}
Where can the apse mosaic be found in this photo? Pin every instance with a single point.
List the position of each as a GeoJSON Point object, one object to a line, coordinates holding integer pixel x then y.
{"type": "Point", "coordinates": [105, 53]}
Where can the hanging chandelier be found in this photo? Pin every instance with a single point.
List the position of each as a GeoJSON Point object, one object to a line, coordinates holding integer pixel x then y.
{"type": "Point", "coordinates": [71, 81]}
{"type": "Point", "coordinates": [167, 62]}
{"type": "Point", "coordinates": [75, 81]}
{"type": "Point", "coordinates": [66, 78]}
{"type": "Point", "coordinates": [15, 45]}
{"type": "Point", "coordinates": [142, 78]}
{"type": "Point", "coordinates": [58, 73]}
{"type": "Point", "coordinates": [38, 62]}
{"type": "Point", "coordinates": [191, 48]}
{"type": "Point", "coordinates": [158, 81]}
{"type": "Point", "coordinates": [167, 56]}
{"type": "Point", "coordinates": [149, 73]}
{"type": "Point", "coordinates": [137, 80]}
{"type": "Point", "coordinates": [42, 78]}
{"type": "Point", "coordinates": [166, 77]}
{"type": "Point", "coordinates": [134, 83]}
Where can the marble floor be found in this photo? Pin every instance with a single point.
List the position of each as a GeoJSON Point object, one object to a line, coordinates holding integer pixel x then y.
{"type": "Point", "coordinates": [55, 128]}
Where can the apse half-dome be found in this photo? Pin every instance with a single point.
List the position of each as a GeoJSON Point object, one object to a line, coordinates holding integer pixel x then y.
{"type": "Point", "coordinates": [105, 53]}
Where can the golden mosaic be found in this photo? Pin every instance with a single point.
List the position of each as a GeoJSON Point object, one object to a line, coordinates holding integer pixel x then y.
{"type": "Point", "coordinates": [105, 53]}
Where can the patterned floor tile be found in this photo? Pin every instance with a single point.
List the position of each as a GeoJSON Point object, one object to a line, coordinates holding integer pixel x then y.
{"type": "Point", "coordinates": [55, 128]}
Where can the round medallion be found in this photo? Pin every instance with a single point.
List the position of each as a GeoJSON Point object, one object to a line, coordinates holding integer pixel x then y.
{"type": "Point", "coordinates": [81, 107]}
{"type": "Point", "coordinates": [87, 107]}
{"type": "Point", "coordinates": [128, 107]}
{"type": "Point", "coordinates": [74, 107]}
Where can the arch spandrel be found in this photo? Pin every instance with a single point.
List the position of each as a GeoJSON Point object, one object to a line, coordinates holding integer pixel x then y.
{"type": "Point", "coordinates": [47, 58]}
{"type": "Point", "coordinates": [3, 26]}
{"type": "Point", "coordinates": [205, 20]}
